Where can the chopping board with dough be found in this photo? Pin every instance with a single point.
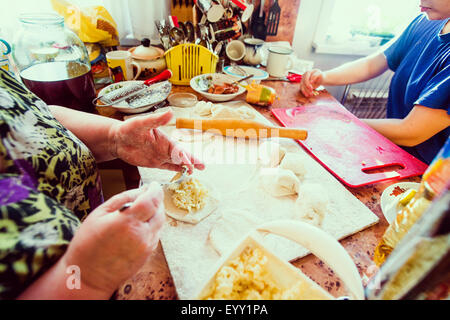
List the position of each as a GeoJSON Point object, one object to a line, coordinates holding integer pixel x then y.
{"type": "Point", "coordinates": [251, 182]}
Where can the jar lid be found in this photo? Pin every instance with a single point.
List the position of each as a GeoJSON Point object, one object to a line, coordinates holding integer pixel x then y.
{"type": "Point", "coordinates": [146, 52]}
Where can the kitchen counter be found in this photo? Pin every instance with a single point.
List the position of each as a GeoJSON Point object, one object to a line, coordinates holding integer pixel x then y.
{"type": "Point", "coordinates": [153, 280]}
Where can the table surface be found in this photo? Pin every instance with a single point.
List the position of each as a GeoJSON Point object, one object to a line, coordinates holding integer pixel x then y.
{"type": "Point", "coordinates": [154, 282]}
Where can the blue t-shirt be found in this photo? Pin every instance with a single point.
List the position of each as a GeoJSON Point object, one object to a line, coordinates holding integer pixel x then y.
{"type": "Point", "coordinates": [420, 58]}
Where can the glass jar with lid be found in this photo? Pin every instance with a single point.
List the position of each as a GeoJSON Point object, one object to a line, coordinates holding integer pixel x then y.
{"type": "Point", "coordinates": [53, 62]}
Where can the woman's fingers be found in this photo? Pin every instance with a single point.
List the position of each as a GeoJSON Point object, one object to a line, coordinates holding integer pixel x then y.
{"type": "Point", "coordinates": [119, 200]}
{"type": "Point", "coordinates": [147, 204]}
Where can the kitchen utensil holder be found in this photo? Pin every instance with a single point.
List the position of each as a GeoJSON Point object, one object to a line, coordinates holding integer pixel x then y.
{"type": "Point", "coordinates": [189, 60]}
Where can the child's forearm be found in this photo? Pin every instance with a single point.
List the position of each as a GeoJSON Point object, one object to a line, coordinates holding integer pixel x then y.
{"type": "Point", "coordinates": [420, 125]}
{"type": "Point", "coordinates": [356, 71]}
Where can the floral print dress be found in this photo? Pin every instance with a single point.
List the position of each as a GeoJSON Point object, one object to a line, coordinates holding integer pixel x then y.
{"type": "Point", "coordinates": [49, 182]}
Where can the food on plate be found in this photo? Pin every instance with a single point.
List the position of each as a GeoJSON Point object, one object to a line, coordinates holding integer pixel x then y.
{"type": "Point", "coordinates": [270, 154]}
{"type": "Point", "coordinates": [189, 195]}
{"type": "Point", "coordinates": [206, 84]}
{"type": "Point", "coordinates": [279, 182]}
{"type": "Point", "coordinates": [189, 201]}
{"type": "Point", "coordinates": [397, 190]}
{"type": "Point", "coordinates": [406, 197]}
{"type": "Point", "coordinates": [230, 227]}
{"type": "Point", "coordinates": [312, 204]}
{"type": "Point", "coordinates": [295, 162]}
{"type": "Point", "coordinates": [226, 88]}
{"type": "Point", "coordinates": [247, 277]}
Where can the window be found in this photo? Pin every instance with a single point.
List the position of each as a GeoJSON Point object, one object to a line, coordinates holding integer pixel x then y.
{"type": "Point", "coordinates": [361, 26]}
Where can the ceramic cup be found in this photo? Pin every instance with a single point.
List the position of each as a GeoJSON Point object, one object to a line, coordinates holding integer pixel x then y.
{"type": "Point", "coordinates": [279, 61]}
{"type": "Point", "coordinates": [235, 50]}
{"type": "Point", "coordinates": [121, 64]}
{"type": "Point", "coordinates": [253, 55]}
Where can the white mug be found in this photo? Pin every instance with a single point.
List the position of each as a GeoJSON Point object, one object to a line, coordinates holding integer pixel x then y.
{"type": "Point", "coordinates": [279, 61]}
{"type": "Point", "coordinates": [120, 64]}
{"type": "Point", "coordinates": [235, 50]}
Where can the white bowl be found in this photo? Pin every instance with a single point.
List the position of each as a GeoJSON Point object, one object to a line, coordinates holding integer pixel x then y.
{"type": "Point", "coordinates": [217, 78]}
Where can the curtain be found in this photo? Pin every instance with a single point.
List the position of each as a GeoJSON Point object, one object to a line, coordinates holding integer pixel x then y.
{"type": "Point", "coordinates": [136, 18]}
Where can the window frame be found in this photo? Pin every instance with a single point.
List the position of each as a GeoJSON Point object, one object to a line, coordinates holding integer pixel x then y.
{"type": "Point", "coordinates": [321, 46]}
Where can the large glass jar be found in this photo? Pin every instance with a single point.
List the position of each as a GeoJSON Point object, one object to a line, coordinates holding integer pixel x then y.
{"type": "Point", "coordinates": [53, 62]}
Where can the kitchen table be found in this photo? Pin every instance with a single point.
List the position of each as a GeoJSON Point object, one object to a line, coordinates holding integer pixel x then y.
{"type": "Point", "coordinates": [154, 281]}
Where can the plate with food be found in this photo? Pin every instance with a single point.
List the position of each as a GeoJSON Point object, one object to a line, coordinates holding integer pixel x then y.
{"type": "Point", "coordinates": [396, 197]}
{"type": "Point", "coordinates": [157, 94]}
{"type": "Point", "coordinates": [218, 87]}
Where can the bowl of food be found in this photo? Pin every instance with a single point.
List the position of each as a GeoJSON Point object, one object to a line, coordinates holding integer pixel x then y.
{"type": "Point", "coordinates": [250, 271]}
{"type": "Point", "coordinates": [218, 87]}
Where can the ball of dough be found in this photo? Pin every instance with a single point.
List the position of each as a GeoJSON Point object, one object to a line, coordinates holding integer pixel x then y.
{"type": "Point", "coordinates": [279, 182]}
{"type": "Point", "coordinates": [270, 154]}
{"type": "Point", "coordinates": [311, 204]}
{"type": "Point", "coordinates": [203, 108]}
{"type": "Point", "coordinates": [294, 162]}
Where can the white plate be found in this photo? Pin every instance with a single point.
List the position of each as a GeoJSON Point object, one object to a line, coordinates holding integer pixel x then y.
{"type": "Point", "coordinates": [258, 74]}
{"type": "Point", "coordinates": [164, 88]}
{"type": "Point", "coordinates": [217, 78]}
{"type": "Point", "coordinates": [388, 201]}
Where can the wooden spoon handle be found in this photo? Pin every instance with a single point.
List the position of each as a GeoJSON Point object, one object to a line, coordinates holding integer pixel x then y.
{"type": "Point", "coordinates": [240, 128]}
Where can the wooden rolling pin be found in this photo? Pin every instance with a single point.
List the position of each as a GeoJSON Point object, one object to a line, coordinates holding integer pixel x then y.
{"type": "Point", "coordinates": [241, 128]}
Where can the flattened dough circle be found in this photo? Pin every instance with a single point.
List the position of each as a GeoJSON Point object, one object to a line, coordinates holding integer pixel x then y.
{"type": "Point", "coordinates": [193, 217]}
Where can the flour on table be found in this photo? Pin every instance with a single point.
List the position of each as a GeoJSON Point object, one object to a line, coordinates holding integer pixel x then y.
{"type": "Point", "coordinates": [187, 247]}
{"type": "Point", "coordinates": [311, 204]}
{"type": "Point", "coordinates": [232, 225]}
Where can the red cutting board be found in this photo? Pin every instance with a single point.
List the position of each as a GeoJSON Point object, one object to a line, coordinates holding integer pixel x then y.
{"type": "Point", "coordinates": [347, 147]}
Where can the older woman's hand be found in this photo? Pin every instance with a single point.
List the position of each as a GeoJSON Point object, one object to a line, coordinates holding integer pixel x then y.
{"type": "Point", "coordinates": [139, 142]}
{"type": "Point", "coordinates": [311, 80]}
{"type": "Point", "coordinates": [110, 245]}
